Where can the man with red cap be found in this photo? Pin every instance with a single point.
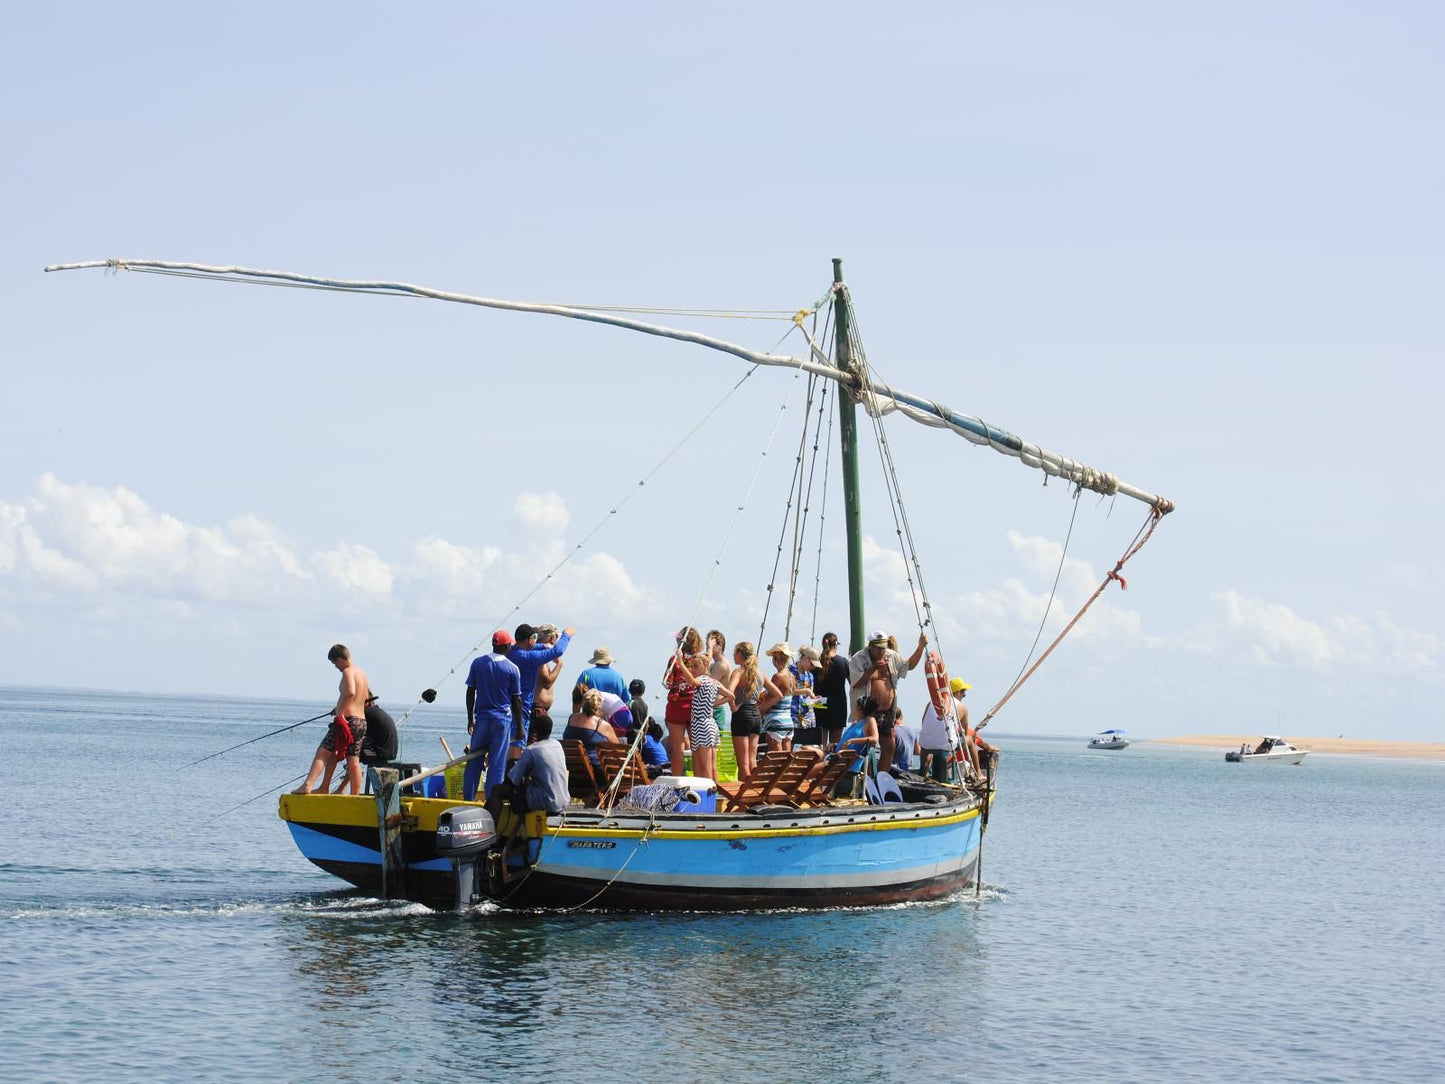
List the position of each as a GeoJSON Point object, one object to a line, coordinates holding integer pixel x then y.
{"type": "Point", "coordinates": [494, 713]}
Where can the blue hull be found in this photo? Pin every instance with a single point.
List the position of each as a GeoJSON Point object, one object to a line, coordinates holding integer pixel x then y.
{"type": "Point", "coordinates": [814, 858]}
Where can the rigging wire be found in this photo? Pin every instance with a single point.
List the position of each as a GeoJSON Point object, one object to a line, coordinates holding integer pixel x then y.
{"type": "Point", "coordinates": [807, 504]}
{"type": "Point", "coordinates": [822, 519]}
{"type": "Point", "coordinates": [1145, 532]}
{"type": "Point", "coordinates": [827, 462]}
{"type": "Point", "coordinates": [588, 537]}
{"type": "Point", "coordinates": [902, 527]}
{"type": "Point", "coordinates": [794, 483]}
{"type": "Point", "coordinates": [800, 516]}
{"type": "Point", "coordinates": [1052, 591]}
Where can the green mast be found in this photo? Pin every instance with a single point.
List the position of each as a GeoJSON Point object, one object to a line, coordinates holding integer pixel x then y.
{"type": "Point", "coordinates": [848, 435]}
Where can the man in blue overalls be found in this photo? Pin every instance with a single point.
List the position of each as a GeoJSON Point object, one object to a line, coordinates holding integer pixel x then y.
{"type": "Point", "coordinates": [494, 713]}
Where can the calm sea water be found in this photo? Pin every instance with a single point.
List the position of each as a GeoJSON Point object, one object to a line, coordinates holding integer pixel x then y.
{"type": "Point", "coordinates": [1151, 914]}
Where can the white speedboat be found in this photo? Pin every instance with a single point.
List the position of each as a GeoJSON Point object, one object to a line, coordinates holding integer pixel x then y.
{"type": "Point", "coordinates": [1270, 750]}
{"type": "Point", "coordinates": [1109, 739]}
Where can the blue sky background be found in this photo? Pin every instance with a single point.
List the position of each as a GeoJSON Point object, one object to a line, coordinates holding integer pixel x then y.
{"type": "Point", "coordinates": [1199, 248]}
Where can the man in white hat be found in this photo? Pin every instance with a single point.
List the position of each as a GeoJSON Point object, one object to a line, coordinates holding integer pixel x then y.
{"type": "Point", "coordinates": [600, 675]}
{"type": "Point", "coordinates": [873, 675]}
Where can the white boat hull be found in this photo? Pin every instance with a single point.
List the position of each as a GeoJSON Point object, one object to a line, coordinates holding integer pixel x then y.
{"type": "Point", "coordinates": [1275, 758]}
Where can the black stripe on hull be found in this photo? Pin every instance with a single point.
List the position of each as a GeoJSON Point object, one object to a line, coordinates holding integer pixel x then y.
{"type": "Point", "coordinates": [432, 888]}
{"type": "Point", "coordinates": [549, 890]}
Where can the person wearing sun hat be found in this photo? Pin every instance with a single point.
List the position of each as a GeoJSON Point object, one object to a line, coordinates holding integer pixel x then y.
{"type": "Point", "coordinates": [939, 734]}
{"type": "Point", "coordinates": [972, 743]}
{"type": "Point", "coordinates": [600, 674]}
{"type": "Point", "coordinates": [776, 703]}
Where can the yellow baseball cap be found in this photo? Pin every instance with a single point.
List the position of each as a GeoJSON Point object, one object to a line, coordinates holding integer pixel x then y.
{"type": "Point", "coordinates": [958, 685]}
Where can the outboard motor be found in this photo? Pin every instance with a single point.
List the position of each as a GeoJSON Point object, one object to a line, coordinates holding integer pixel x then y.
{"type": "Point", "coordinates": [464, 834]}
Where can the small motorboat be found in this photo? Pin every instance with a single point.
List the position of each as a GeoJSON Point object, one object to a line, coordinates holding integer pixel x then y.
{"type": "Point", "coordinates": [1109, 739]}
{"type": "Point", "coordinates": [1270, 750]}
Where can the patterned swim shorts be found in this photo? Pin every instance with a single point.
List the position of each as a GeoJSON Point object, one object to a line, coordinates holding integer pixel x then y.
{"type": "Point", "coordinates": [335, 739]}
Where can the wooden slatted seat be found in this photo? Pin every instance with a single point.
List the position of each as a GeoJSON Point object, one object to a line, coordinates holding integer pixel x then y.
{"type": "Point", "coordinates": [776, 780]}
{"type": "Point", "coordinates": [818, 788]}
{"type": "Point", "coordinates": [785, 786]}
{"type": "Point", "coordinates": [613, 757]}
{"type": "Point", "coordinates": [581, 779]}
{"type": "Point", "coordinates": [754, 789]}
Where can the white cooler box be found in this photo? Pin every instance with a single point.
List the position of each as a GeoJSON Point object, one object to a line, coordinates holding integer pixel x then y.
{"type": "Point", "coordinates": [706, 790]}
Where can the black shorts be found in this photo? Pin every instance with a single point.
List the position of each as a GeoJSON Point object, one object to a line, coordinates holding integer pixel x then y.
{"type": "Point", "coordinates": [747, 721]}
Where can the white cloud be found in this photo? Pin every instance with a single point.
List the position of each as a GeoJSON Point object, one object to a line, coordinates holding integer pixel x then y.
{"type": "Point", "coordinates": [541, 513]}
{"type": "Point", "coordinates": [110, 548]}
{"type": "Point", "coordinates": [353, 567]}
{"type": "Point", "coordinates": [79, 538]}
{"type": "Point", "coordinates": [1272, 634]}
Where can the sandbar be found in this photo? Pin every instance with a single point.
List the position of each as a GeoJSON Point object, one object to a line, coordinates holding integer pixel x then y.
{"type": "Point", "coordinates": [1421, 750]}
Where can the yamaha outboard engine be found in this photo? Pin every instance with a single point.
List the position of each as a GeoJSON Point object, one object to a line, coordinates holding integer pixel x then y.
{"type": "Point", "coordinates": [464, 834]}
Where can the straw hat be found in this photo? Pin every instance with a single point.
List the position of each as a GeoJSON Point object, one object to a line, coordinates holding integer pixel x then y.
{"type": "Point", "coordinates": [782, 647]}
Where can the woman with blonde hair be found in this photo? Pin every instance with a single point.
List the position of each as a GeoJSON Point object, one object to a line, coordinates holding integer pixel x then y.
{"type": "Point", "coordinates": [586, 724]}
{"type": "Point", "coordinates": [703, 725]}
{"type": "Point", "coordinates": [776, 703]}
{"type": "Point", "coordinates": [747, 685]}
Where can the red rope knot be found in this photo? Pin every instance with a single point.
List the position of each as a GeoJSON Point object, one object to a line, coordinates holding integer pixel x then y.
{"type": "Point", "coordinates": [1114, 575]}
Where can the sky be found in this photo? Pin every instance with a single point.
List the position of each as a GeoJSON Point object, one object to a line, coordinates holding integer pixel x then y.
{"type": "Point", "coordinates": [1198, 246]}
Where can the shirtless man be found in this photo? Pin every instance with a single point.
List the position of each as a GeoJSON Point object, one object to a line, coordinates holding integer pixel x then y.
{"type": "Point", "coordinates": [546, 696]}
{"type": "Point", "coordinates": [875, 672]}
{"type": "Point", "coordinates": [348, 728]}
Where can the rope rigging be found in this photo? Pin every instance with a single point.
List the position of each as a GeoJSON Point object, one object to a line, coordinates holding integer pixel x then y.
{"type": "Point", "coordinates": [612, 512]}
{"type": "Point", "coordinates": [822, 517]}
{"type": "Point", "coordinates": [922, 608]}
{"type": "Point", "coordinates": [1142, 536]}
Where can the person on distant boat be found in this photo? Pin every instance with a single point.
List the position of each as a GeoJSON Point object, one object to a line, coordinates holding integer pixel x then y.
{"type": "Point", "coordinates": [600, 674]}
{"type": "Point", "coordinates": [586, 724]}
{"type": "Point", "coordinates": [776, 703]}
{"type": "Point", "coordinates": [539, 776]}
{"type": "Point", "coordinates": [544, 694]}
{"type": "Point", "coordinates": [746, 685]}
{"type": "Point", "coordinates": [347, 730]}
{"type": "Point", "coordinates": [876, 671]}
{"type": "Point", "coordinates": [494, 714]}
{"type": "Point", "coordinates": [653, 752]}
{"type": "Point", "coordinates": [640, 711]}
{"type": "Point", "coordinates": [703, 725]}
{"type": "Point", "coordinates": [831, 684]}
{"type": "Point", "coordinates": [678, 715]}
{"type": "Point", "coordinates": [380, 743]}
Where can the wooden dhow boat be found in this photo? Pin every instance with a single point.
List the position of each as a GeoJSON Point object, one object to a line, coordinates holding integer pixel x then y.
{"type": "Point", "coordinates": [782, 838]}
